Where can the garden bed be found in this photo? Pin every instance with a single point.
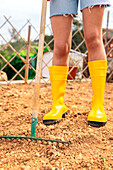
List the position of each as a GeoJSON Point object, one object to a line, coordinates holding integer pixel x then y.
{"type": "Point", "coordinates": [90, 148]}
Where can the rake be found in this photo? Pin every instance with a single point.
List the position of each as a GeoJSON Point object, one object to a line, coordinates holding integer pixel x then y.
{"type": "Point", "coordinates": [37, 86]}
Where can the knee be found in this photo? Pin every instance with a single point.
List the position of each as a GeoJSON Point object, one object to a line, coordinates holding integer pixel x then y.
{"type": "Point", "coordinates": [62, 49]}
{"type": "Point", "coordinates": [93, 41]}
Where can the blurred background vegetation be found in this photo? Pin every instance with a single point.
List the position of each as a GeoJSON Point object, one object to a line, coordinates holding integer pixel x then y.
{"type": "Point", "coordinates": [18, 43]}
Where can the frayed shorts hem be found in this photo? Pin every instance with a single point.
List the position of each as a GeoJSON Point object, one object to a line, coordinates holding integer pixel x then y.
{"type": "Point", "coordinates": [63, 13]}
{"type": "Point", "coordinates": [95, 4]}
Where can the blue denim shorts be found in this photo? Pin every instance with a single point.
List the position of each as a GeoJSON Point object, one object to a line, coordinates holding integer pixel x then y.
{"type": "Point", "coordinates": [61, 7]}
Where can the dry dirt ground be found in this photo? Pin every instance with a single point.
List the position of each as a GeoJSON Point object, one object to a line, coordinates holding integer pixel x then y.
{"type": "Point", "coordinates": [90, 148]}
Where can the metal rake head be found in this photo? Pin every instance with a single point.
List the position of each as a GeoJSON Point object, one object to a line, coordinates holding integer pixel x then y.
{"type": "Point", "coordinates": [33, 139]}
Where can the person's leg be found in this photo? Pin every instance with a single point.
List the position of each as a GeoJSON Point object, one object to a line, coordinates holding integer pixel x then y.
{"type": "Point", "coordinates": [62, 31]}
{"type": "Point", "coordinates": [62, 28]}
{"type": "Point", "coordinates": [92, 25]}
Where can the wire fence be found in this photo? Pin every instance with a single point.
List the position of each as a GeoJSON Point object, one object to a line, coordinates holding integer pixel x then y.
{"type": "Point", "coordinates": [20, 62]}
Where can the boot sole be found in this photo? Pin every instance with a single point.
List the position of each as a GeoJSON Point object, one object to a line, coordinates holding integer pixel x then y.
{"type": "Point", "coordinates": [53, 121]}
{"type": "Point", "coordinates": [96, 124]}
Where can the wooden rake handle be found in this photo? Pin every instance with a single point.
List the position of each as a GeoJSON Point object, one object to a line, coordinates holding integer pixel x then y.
{"type": "Point", "coordinates": [38, 70]}
{"type": "Point", "coordinates": [39, 60]}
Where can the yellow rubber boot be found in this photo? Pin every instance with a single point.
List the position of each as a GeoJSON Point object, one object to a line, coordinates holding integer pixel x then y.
{"type": "Point", "coordinates": [98, 70]}
{"type": "Point", "coordinates": [58, 78]}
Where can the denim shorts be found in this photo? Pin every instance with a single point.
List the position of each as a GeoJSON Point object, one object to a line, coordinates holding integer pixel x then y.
{"type": "Point", "coordinates": [61, 7]}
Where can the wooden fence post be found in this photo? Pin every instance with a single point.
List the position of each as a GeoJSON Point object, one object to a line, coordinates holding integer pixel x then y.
{"type": "Point", "coordinates": [27, 56]}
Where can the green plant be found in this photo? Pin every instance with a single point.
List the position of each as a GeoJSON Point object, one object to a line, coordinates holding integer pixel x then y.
{"type": "Point", "coordinates": [106, 166]}
{"type": "Point", "coordinates": [17, 63]}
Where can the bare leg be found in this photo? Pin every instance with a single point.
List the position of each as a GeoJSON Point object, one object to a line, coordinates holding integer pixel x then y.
{"type": "Point", "coordinates": [97, 64]}
{"type": "Point", "coordinates": [92, 25]}
{"type": "Point", "coordinates": [62, 31]}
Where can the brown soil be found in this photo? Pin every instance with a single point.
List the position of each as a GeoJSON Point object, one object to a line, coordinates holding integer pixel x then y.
{"type": "Point", "coordinates": [88, 144]}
